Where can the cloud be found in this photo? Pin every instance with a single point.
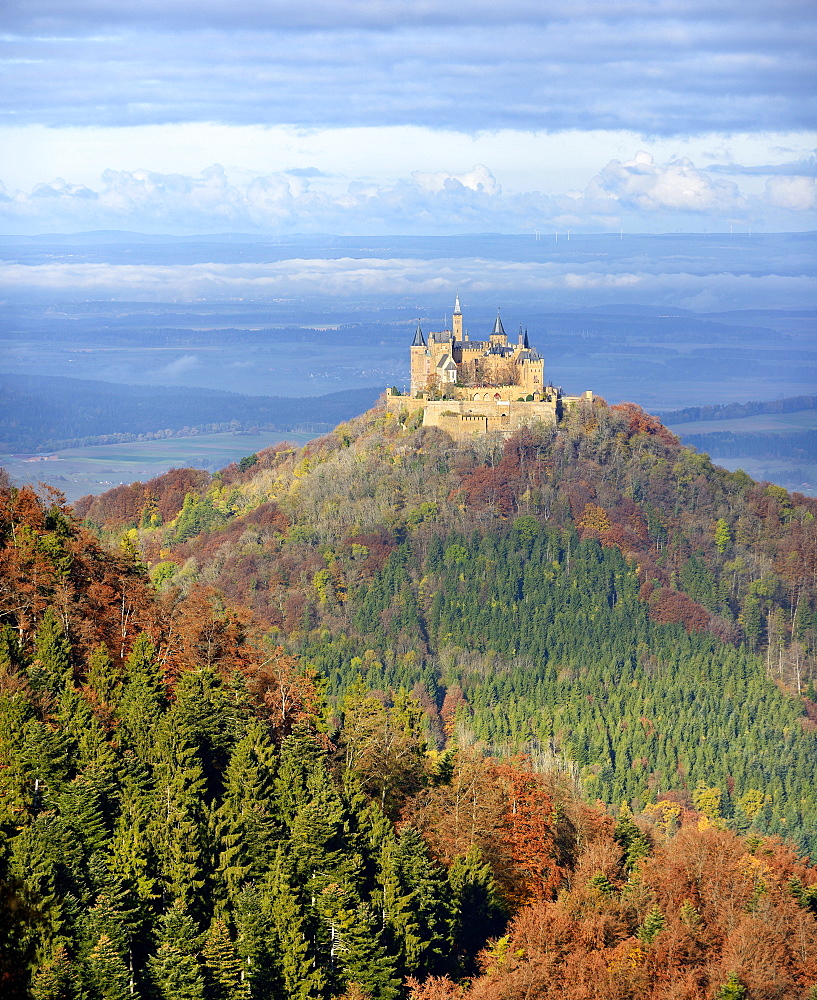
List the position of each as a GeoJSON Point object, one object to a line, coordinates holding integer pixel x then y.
{"type": "Point", "coordinates": [797, 194]}
{"type": "Point", "coordinates": [181, 366]}
{"type": "Point", "coordinates": [644, 185]}
{"type": "Point", "coordinates": [671, 68]}
{"type": "Point", "coordinates": [479, 179]}
{"type": "Point", "coordinates": [638, 193]}
{"type": "Point", "coordinates": [587, 280]}
{"type": "Point", "coordinates": [796, 168]}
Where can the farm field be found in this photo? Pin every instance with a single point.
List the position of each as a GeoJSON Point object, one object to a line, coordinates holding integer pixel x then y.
{"type": "Point", "coordinates": [798, 420]}
{"type": "Point", "coordinates": [79, 471]}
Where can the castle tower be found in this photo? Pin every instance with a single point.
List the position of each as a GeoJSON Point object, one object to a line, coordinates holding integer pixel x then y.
{"type": "Point", "coordinates": [456, 320]}
{"type": "Point", "coordinates": [498, 335]}
{"type": "Point", "coordinates": [419, 362]}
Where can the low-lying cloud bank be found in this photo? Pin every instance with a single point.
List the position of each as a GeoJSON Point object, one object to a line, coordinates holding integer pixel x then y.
{"type": "Point", "coordinates": [560, 284]}
{"type": "Point", "coordinates": [637, 194]}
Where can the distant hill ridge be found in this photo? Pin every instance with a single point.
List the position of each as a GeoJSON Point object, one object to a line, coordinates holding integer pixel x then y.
{"type": "Point", "coordinates": [733, 411]}
{"type": "Point", "coordinates": [47, 413]}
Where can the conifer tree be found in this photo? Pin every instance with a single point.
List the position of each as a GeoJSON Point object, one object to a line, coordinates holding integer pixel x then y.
{"type": "Point", "coordinates": [477, 912]}
{"type": "Point", "coordinates": [142, 699]}
{"type": "Point", "coordinates": [292, 931]}
{"type": "Point", "coordinates": [51, 669]}
{"type": "Point", "coordinates": [245, 821]}
{"type": "Point", "coordinates": [177, 826]}
{"type": "Point", "coordinates": [175, 968]}
{"type": "Point", "coordinates": [223, 972]}
{"type": "Point", "coordinates": [102, 677]}
{"type": "Point", "coordinates": [57, 978]}
{"type": "Point", "coordinates": [354, 950]}
{"type": "Point", "coordinates": [109, 973]}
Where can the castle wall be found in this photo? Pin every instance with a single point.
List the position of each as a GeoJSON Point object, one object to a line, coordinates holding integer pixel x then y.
{"type": "Point", "coordinates": [463, 417]}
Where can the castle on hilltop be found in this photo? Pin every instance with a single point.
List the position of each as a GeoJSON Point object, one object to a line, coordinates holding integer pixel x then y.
{"type": "Point", "coordinates": [474, 386]}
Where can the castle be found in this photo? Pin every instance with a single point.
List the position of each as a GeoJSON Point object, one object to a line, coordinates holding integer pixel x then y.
{"type": "Point", "coordinates": [475, 386]}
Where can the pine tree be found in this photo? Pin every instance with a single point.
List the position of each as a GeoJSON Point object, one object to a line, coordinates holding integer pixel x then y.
{"type": "Point", "coordinates": [142, 700]}
{"type": "Point", "coordinates": [102, 677]}
{"type": "Point", "coordinates": [223, 972]}
{"type": "Point", "coordinates": [51, 669]}
{"type": "Point", "coordinates": [178, 824]}
{"type": "Point", "coordinates": [652, 925]}
{"type": "Point", "coordinates": [175, 968]}
{"type": "Point", "coordinates": [245, 821]}
{"type": "Point", "coordinates": [292, 932]}
{"type": "Point", "coordinates": [478, 913]}
{"type": "Point", "coordinates": [355, 952]}
{"type": "Point", "coordinates": [109, 973]}
{"type": "Point", "coordinates": [56, 978]}
{"type": "Point", "coordinates": [732, 989]}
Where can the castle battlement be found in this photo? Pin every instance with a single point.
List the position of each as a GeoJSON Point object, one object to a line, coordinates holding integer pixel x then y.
{"type": "Point", "coordinates": [476, 386]}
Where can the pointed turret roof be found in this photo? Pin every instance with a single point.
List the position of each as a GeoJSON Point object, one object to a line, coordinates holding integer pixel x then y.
{"type": "Point", "coordinates": [498, 327]}
{"type": "Point", "coordinates": [525, 341]}
{"type": "Point", "coordinates": [457, 310]}
{"type": "Point", "coordinates": [419, 339]}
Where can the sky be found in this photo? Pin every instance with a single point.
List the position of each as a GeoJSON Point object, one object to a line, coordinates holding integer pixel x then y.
{"type": "Point", "coordinates": [407, 116]}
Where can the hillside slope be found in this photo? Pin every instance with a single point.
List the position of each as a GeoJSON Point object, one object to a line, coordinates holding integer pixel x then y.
{"type": "Point", "coordinates": [189, 810]}
{"type": "Point", "coordinates": [596, 594]}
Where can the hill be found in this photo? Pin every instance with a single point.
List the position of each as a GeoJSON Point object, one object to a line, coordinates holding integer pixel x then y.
{"type": "Point", "coordinates": [595, 593]}
{"type": "Point", "coordinates": [396, 718]}
{"type": "Point", "coordinates": [48, 413]}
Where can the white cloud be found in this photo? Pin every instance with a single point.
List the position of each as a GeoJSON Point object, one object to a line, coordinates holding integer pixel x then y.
{"type": "Point", "coordinates": [479, 179]}
{"type": "Point", "coordinates": [676, 186]}
{"type": "Point", "coordinates": [599, 280]}
{"type": "Point", "coordinates": [797, 194]}
{"type": "Point", "coordinates": [639, 194]}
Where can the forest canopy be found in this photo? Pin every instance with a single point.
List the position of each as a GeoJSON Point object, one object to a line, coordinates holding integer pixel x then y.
{"type": "Point", "coordinates": [386, 717]}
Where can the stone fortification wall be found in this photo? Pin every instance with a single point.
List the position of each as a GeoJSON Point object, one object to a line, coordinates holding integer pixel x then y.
{"type": "Point", "coordinates": [463, 417]}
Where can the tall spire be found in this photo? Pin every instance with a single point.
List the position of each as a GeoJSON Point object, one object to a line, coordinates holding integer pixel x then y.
{"type": "Point", "coordinates": [457, 310]}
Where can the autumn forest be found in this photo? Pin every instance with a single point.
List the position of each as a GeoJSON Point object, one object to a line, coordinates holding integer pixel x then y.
{"type": "Point", "coordinates": [391, 718]}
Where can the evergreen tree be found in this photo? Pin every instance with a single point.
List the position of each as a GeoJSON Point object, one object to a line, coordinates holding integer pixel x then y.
{"type": "Point", "coordinates": [732, 989]}
{"type": "Point", "coordinates": [142, 699]}
{"type": "Point", "coordinates": [175, 968]}
{"type": "Point", "coordinates": [223, 972]}
{"type": "Point", "coordinates": [245, 821]}
{"type": "Point", "coordinates": [109, 974]}
{"type": "Point", "coordinates": [50, 670]}
{"type": "Point", "coordinates": [292, 931]}
{"type": "Point", "coordinates": [178, 828]}
{"type": "Point", "coordinates": [56, 978]}
{"type": "Point", "coordinates": [477, 911]}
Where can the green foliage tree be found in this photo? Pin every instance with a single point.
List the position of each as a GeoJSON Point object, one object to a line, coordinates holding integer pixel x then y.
{"type": "Point", "coordinates": [732, 989]}
{"type": "Point", "coordinates": [57, 978]}
{"type": "Point", "coordinates": [175, 969]}
{"type": "Point", "coordinates": [51, 669]}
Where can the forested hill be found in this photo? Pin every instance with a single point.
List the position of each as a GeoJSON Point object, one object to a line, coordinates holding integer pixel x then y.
{"type": "Point", "coordinates": [48, 413]}
{"type": "Point", "coordinates": [595, 593]}
{"type": "Point", "coordinates": [731, 411]}
{"type": "Point", "coordinates": [386, 717]}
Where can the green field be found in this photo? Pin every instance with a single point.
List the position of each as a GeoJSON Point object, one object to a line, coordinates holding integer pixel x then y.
{"type": "Point", "coordinates": [797, 420]}
{"type": "Point", "coordinates": [79, 471]}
